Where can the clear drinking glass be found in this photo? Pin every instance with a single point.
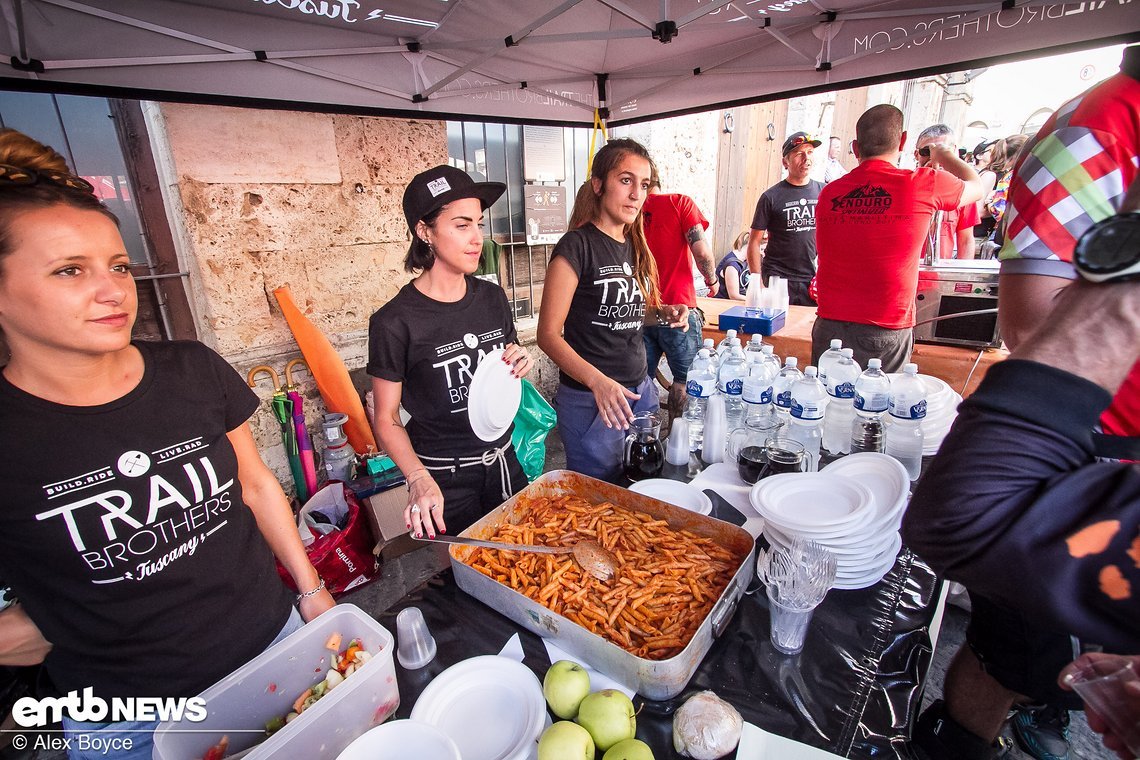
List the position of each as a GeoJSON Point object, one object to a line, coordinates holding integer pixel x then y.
{"type": "Point", "coordinates": [789, 622]}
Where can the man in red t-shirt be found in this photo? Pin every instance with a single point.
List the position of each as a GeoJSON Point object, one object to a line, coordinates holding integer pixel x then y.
{"type": "Point", "coordinates": [674, 229]}
{"type": "Point", "coordinates": [870, 228]}
{"type": "Point", "coordinates": [956, 230]}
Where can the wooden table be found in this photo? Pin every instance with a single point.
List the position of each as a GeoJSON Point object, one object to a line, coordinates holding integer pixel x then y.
{"type": "Point", "coordinates": [953, 364]}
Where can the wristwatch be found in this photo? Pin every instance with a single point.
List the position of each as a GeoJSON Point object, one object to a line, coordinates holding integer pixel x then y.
{"type": "Point", "coordinates": [1110, 249]}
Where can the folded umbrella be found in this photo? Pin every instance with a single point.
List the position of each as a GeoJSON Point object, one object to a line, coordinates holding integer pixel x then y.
{"type": "Point", "coordinates": [301, 430]}
{"type": "Point", "coordinates": [283, 411]}
{"type": "Point", "coordinates": [333, 381]}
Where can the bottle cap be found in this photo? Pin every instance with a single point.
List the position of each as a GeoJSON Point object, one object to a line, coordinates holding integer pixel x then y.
{"type": "Point", "coordinates": [836, 343]}
{"type": "Point", "coordinates": [910, 369]}
{"type": "Point", "coordinates": [848, 353]}
{"type": "Point", "coordinates": [791, 361]}
{"type": "Point", "coordinates": [810, 372]}
{"type": "Point", "coordinates": [874, 363]}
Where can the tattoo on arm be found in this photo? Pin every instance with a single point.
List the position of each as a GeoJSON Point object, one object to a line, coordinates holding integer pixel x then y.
{"type": "Point", "coordinates": [694, 234]}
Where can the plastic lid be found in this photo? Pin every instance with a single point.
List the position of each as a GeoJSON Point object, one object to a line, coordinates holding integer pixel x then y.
{"type": "Point", "coordinates": [704, 352]}
{"type": "Point", "coordinates": [756, 338]}
{"type": "Point", "coordinates": [709, 343]}
{"type": "Point", "coordinates": [731, 333]}
{"type": "Point", "coordinates": [874, 363]}
{"type": "Point", "coordinates": [810, 372]}
{"type": "Point", "coordinates": [848, 353]}
{"type": "Point", "coordinates": [836, 343]}
{"type": "Point", "coordinates": [733, 341]}
{"type": "Point", "coordinates": [910, 369]}
{"type": "Point", "coordinates": [766, 349]}
{"type": "Point", "coordinates": [791, 361]}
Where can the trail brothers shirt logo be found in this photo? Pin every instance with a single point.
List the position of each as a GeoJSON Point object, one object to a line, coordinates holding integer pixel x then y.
{"type": "Point", "coordinates": [622, 306]}
{"type": "Point", "coordinates": [866, 199]}
{"type": "Point", "coordinates": [458, 364]}
{"type": "Point", "coordinates": [119, 538]}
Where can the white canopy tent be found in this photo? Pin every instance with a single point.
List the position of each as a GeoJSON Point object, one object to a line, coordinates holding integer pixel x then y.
{"type": "Point", "coordinates": [538, 61]}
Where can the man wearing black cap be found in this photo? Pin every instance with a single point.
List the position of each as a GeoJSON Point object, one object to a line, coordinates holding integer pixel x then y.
{"type": "Point", "coordinates": [786, 211]}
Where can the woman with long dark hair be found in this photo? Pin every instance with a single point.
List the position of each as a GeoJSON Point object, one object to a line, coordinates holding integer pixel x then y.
{"type": "Point", "coordinates": [138, 524]}
{"type": "Point", "coordinates": [601, 285]}
{"type": "Point", "coordinates": [424, 347]}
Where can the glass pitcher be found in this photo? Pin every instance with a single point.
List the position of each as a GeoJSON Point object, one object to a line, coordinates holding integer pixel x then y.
{"type": "Point", "coordinates": [746, 445]}
{"type": "Point", "coordinates": [643, 456]}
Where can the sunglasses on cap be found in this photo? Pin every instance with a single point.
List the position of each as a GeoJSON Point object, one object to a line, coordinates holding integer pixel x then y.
{"type": "Point", "coordinates": [19, 175]}
{"type": "Point", "coordinates": [799, 140]}
{"type": "Point", "coordinates": [925, 152]}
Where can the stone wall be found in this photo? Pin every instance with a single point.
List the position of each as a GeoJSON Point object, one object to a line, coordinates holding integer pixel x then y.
{"type": "Point", "coordinates": [265, 199]}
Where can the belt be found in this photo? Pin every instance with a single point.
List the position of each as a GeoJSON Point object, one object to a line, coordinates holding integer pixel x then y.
{"type": "Point", "coordinates": [486, 459]}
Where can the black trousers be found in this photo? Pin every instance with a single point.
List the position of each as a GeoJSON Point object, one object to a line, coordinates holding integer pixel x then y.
{"type": "Point", "coordinates": [471, 491]}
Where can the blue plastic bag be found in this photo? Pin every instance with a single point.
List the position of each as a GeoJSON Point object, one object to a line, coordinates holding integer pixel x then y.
{"type": "Point", "coordinates": [534, 419]}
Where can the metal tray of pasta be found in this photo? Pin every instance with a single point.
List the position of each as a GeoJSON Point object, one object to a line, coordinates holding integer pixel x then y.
{"type": "Point", "coordinates": [679, 578]}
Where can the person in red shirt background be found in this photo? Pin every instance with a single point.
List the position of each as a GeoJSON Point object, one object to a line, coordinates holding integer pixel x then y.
{"type": "Point", "coordinates": [956, 230]}
{"type": "Point", "coordinates": [675, 231]}
{"type": "Point", "coordinates": [870, 228]}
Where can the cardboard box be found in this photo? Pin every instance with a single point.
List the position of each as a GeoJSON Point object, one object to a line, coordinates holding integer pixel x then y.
{"type": "Point", "coordinates": [385, 512]}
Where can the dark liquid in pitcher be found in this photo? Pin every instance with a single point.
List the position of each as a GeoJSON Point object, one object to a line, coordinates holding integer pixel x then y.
{"type": "Point", "coordinates": [776, 468]}
{"type": "Point", "coordinates": [645, 460]}
{"type": "Point", "coordinates": [750, 462]}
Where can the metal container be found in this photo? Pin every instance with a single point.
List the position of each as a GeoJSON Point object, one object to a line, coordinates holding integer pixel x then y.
{"type": "Point", "coordinates": [956, 304]}
{"type": "Point", "coordinates": [653, 679]}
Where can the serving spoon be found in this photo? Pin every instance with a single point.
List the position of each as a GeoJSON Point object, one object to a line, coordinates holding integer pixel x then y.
{"type": "Point", "coordinates": [591, 556]}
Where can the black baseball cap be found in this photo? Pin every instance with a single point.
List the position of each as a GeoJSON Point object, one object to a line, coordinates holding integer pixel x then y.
{"type": "Point", "coordinates": [982, 146]}
{"type": "Point", "coordinates": [439, 186]}
{"type": "Point", "coordinates": [796, 139]}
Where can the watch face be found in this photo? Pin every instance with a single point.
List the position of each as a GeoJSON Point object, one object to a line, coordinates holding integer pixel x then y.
{"type": "Point", "coordinates": [1111, 248]}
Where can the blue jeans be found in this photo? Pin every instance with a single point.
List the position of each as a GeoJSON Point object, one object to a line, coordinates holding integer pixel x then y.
{"type": "Point", "coordinates": [592, 448]}
{"type": "Point", "coordinates": [139, 733]}
{"type": "Point", "coordinates": [679, 346]}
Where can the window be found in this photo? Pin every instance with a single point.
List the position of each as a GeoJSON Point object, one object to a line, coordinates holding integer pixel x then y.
{"type": "Point", "coordinates": [494, 153]}
{"type": "Point", "coordinates": [105, 142]}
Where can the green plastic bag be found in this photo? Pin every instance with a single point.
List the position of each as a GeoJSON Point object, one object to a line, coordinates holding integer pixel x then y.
{"type": "Point", "coordinates": [534, 419]}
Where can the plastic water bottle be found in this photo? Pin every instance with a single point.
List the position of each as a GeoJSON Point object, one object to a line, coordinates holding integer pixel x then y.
{"type": "Point", "coordinates": [770, 358]}
{"type": "Point", "coordinates": [872, 395]}
{"type": "Point", "coordinates": [730, 382]}
{"type": "Point", "coordinates": [809, 399]}
{"type": "Point", "coordinates": [709, 346]}
{"type": "Point", "coordinates": [840, 413]}
{"type": "Point", "coordinates": [907, 407]}
{"type": "Point", "coordinates": [754, 345]}
{"type": "Point", "coordinates": [758, 390]}
{"type": "Point", "coordinates": [722, 347]}
{"type": "Point", "coordinates": [827, 360]}
{"type": "Point", "coordinates": [782, 387]}
{"type": "Point", "coordinates": [701, 384]}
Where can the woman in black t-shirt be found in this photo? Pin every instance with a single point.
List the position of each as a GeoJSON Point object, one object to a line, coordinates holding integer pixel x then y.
{"type": "Point", "coordinates": [423, 349]}
{"type": "Point", "coordinates": [601, 285]}
{"type": "Point", "coordinates": [138, 523]}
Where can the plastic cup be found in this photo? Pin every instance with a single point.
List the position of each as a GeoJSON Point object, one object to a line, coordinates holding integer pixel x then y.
{"type": "Point", "coordinates": [1111, 687]}
{"type": "Point", "coordinates": [789, 623]}
{"type": "Point", "coordinates": [677, 450]}
{"type": "Point", "coordinates": [416, 646]}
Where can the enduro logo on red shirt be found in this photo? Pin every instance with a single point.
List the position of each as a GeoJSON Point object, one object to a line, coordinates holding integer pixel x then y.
{"type": "Point", "coordinates": [865, 199]}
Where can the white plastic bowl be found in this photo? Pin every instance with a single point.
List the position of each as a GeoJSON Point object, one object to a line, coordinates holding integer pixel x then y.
{"type": "Point", "coordinates": [675, 492]}
{"type": "Point", "coordinates": [401, 739]}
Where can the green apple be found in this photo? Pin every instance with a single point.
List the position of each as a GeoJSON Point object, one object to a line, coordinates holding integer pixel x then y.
{"type": "Point", "coordinates": [609, 717]}
{"type": "Point", "coordinates": [565, 741]}
{"type": "Point", "coordinates": [565, 685]}
{"type": "Point", "coordinates": [629, 749]}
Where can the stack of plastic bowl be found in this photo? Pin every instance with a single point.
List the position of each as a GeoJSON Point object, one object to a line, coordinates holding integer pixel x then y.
{"type": "Point", "coordinates": [853, 508]}
{"type": "Point", "coordinates": [941, 410]}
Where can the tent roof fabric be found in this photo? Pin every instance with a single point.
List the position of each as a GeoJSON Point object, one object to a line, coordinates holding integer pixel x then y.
{"type": "Point", "coordinates": [539, 61]}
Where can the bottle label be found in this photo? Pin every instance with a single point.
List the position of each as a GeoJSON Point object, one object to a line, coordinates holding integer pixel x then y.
{"type": "Point", "coordinates": [807, 411]}
{"type": "Point", "coordinates": [876, 402]}
{"type": "Point", "coordinates": [697, 390]}
{"type": "Point", "coordinates": [784, 399]}
{"type": "Point", "coordinates": [905, 411]}
{"type": "Point", "coordinates": [754, 394]}
{"type": "Point", "coordinates": [843, 390]}
{"type": "Point", "coordinates": [734, 387]}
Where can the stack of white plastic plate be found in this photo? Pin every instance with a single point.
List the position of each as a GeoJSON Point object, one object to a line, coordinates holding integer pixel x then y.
{"type": "Point", "coordinates": [854, 512]}
{"type": "Point", "coordinates": [401, 739]}
{"type": "Point", "coordinates": [493, 397]}
{"type": "Point", "coordinates": [941, 410]}
{"type": "Point", "coordinates": [492, 708]}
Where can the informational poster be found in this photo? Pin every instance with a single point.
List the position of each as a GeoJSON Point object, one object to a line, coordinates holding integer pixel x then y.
{"type": "Point", "coordinates": [545, 208]}
{"type": "Point", "coordinates": [544, 157]}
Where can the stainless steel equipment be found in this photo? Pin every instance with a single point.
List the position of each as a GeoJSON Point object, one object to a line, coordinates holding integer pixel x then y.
{"type": "Point", "coordinates": [653, 679]}
{"type": "Point", "coordinates": [956, 304]}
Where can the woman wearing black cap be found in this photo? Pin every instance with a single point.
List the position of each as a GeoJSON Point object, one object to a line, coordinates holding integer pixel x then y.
{"type": "Point", "coordinates": [423, 348]}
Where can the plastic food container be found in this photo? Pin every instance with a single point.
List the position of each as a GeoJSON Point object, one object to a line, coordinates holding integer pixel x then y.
{"type": "Point", "coordinates": [240, 704]}
{"type": "Point", "coordinates": [653, 679]}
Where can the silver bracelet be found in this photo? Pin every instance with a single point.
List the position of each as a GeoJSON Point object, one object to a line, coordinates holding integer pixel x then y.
{"type": "Point", "coordinates": [312, 592]}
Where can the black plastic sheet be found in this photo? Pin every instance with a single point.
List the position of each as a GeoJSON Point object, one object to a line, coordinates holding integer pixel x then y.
{"type": "Point", "coordinates": [853, 690]}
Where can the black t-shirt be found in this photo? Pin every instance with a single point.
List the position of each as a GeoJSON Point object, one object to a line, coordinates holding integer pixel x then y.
{"type": "Point", "coordinates": [433, 348]}
{"type": "Point", "coordinates": [606, 313]}
{"type": "Point", "coordinates": [787, 211]}
{"type": "Point", "coordinates": [731, 260]}
{"type": "Point", "coordinates": [124, 534]}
